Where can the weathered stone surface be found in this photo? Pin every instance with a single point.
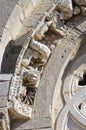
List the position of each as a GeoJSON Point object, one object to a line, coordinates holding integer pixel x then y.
{"type": "Point", "coordinates": [2, 123]}
{"type": "Point", "coordinates": [20, 108]}
{"type": "Point", "coordinates": [62, 54]}
{"type": "Point", "coordinates": [74, 93]}
{"type": "Point", "coordinates": [42, 49]}
{"type": "Point", "coordinates": [4, 87]}
{"type": "Point", "coordinates": [13, 26]}
{"type": "Point", "coordinates": [6, 8]}
{"type": "Point", "coordinates": [52, 47]}
{"type": "Point", "coordinates": [80, 2]}
{"type": "Point", "coordinates": [65, 6]}
{"type": "Point", "coordinates": [14, 29]}
{"type": "Point", "coordinates": [29, 54]}
{"type": "Point", "coordinates": [83, 10]}
{"type": "Point", "coordinates": [40, 33]}
{"type": "Point", "coordinates": [82, 26]}
{"type": "Point", "coordinates": [25, 62]}
{"type": "Point", "coordinates": [76, 10]}
{"type": "Point", "coordinates": [36, 123]}
{"type": "Point", "coordinates": [57, 31]}
{"type": "Point", "coordinates": [48, 96]}
{"type": "Point", "coordinates": [32, 20]}
{"type": "Point", "coordinates": [27, 58]}
{"type": "Point", "coordinates": [45, 129]}
{"type": "Point", "coordinates": [27, 6]}
{"type": "Point", "coordinates": [5, 77]}
{"type": "Point", "coordinates": [2, 49]}
{"type": "Point", "coordinates": [31, 76]}
{"type": "Point", "coordinates": [3, 101]}
{"type": "Point", "coordinates": [6, 36]}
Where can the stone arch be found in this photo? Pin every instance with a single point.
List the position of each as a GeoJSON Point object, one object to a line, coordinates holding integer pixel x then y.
{"type": "Point", "coordinates": [44, 110]}
{"type": "Point", "coordinates": [49, 101]}
{"type": "Point", "coordinates": [15, 28]}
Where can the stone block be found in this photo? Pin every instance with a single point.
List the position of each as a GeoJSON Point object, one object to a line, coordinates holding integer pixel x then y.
{"type": "Point", "coordinates": [36, 124]}
{"type": "Point", "coordinates": [5, 77]}
{"type": "Point", "coordinates": [14, 23]}
{"type": "Point", "coordinates": [82, 27]}
{"type": "Point", "coordinates": [4, 86]}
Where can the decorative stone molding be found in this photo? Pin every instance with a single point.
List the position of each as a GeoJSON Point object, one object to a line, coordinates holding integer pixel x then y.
{"type": "Point", "coordinates": [39, 91]}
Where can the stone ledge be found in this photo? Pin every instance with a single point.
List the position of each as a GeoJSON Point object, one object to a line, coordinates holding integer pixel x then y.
{"type": "Point", "coordinates": [36, 123]}
{"type": "Point", "coordinates": [5, 77]}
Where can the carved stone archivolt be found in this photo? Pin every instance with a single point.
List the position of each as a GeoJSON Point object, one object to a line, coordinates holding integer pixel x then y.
{"type": "Point", "coordinates": [46, 91]}
{"type": "Point", "coordinates": [74, 112]}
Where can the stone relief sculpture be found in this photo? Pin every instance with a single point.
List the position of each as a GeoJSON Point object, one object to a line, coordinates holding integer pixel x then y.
{"type": "Point", "coordinates": [47, 88]}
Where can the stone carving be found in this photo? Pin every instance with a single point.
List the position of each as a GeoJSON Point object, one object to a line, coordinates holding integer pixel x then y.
{"type": "Point", "coordinates": [23, 89]}
{"type": "Point", "coordinates": [29, 54]}
{"type": "Point", "coordinates": [33, 58]}
{"type": "Point", "coordinates": [76, 10]}
{"type": "Point", "coordinates": [83, 9]}
{"type": "Point", "coordinates": [42, 49]}
{"type": "Point", "coordinates": [65, 7]}
{"type": "Point", "coordinates": [74, 93]}
{"type": "Point", "coordinates": [30, 77]}
{"type": "Point", "coordinates": [40, 33]}
{"type": "Point", "coordinates": [80, 2]}
{"type": "Point", "coordinates": [21, 109]}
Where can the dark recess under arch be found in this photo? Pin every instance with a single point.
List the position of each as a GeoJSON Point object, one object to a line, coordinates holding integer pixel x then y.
{"type": "Point", "coordinates": [9, 58]}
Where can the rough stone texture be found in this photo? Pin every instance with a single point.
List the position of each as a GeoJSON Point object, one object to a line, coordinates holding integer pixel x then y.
{"type": "Point", "coordinates": [76, 10]}
{"type": "Point", "coordinates": [51, 74]}
{"type": "Point", "coordinates": [12, 30]}
{"type": "Point", "coordinates": [80, 2]}
{"type": "Point", "coordinates": [6, 7]}
{"type": "Point", "coordinates": [4, 85]}
{"type": "Point", "coordinates": [36, 123]}
{"type": "Point", "coordinates": [42, 49]}
{"type": "Point", "coordinates": [45, 98]}
{"type": "Point", "coordinates": [65, 6]}
{"type": "Point", "coordinates": [83, 9]}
